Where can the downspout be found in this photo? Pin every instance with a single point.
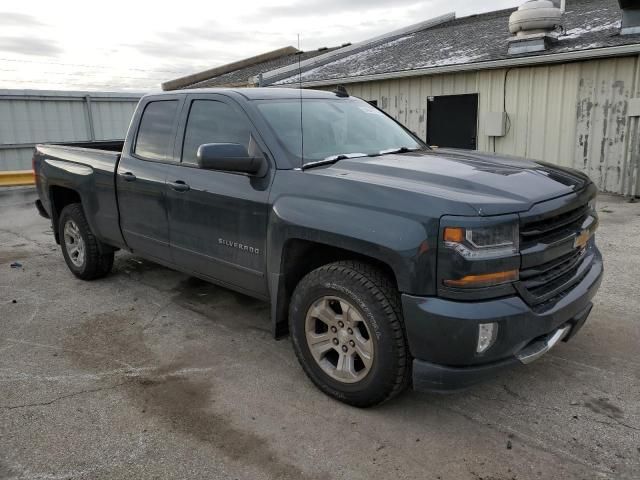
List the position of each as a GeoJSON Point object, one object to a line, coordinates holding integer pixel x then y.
{"type": "Point", "coordinates": [92, 131]}
{"type": "Point", "coordinates": [632, 154]}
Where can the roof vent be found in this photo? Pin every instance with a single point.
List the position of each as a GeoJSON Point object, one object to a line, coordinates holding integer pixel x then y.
{"type": "Point", "coordinates": [534, 25]}
{"type": "Point", "coordinates": [630, 17]}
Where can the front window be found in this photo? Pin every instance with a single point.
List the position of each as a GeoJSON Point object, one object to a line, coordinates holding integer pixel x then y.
{"type": "Point", "coordinates": [211, 121]}
{"type": "Point", "coordinates": [334, 127]}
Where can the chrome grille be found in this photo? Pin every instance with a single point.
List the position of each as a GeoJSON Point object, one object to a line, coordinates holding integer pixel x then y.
{"type": "Point", "coordinates": [544, 278]}
{"type": "Point", "coordinates": [548, 229]}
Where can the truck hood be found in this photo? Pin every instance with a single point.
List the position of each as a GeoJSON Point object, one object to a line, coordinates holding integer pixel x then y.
{"type": "Point", "coordinates": [490, 184]}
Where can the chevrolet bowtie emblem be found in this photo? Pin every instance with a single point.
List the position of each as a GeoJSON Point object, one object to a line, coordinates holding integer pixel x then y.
{"type": "Point", "coordinates": [582, 239]}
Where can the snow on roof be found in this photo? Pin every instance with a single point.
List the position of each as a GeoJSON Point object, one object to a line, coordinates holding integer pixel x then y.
{"type": "Point", "coordinates": [588, 24]}
{"type": "Point", "coordinates": [244, 75]}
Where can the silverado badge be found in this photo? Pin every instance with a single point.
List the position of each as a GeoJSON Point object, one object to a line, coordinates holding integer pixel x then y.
{"type": "Point", "coordinates": [239, 246]}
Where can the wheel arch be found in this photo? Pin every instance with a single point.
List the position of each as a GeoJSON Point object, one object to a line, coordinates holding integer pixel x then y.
{"type": "Point", "coordinates": [60, 197]}
{"type": "Point", "coordinates": [300, 256]}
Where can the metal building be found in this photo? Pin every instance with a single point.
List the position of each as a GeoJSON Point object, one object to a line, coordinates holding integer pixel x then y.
{"type": "Point", "coordinates": [555, 81]}
{"type": "Point", "coordinates": [574, 114]}
{"type": "Point", "coordinates": [28, 117]}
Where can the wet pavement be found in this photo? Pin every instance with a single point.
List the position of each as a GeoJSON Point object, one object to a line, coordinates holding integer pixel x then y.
{"type": "Point", "coordinates": [151, 374]}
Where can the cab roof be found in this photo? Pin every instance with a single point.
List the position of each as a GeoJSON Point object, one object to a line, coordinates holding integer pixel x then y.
{"type": "Point", "coordinates": [257, 93]}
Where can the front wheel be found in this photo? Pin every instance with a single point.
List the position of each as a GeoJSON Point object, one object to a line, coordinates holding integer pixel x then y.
{"type": "Point", "coordinates": [80, 247]}
{"type": "Point", "coordinates": [348, 334]}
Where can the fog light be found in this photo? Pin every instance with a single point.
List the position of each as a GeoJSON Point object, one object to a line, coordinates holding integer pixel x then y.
{"type": "Point", "coordinates": [487, 334]}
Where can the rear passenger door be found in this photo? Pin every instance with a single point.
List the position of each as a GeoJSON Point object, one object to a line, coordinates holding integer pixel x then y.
{"type": "Point", "coordinates": [218, 220]}
{"type": "Point", "coordinates": [141, 177]}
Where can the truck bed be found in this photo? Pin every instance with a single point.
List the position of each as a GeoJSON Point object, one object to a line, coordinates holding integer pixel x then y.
{"type": "Point", "coordinates": [87, 168]}
{"type": "Point", "coordinates": [107, 145]}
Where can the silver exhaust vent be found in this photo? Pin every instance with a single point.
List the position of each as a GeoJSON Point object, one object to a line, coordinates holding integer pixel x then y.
{"type": "Point", "coordinates": [534, 25]}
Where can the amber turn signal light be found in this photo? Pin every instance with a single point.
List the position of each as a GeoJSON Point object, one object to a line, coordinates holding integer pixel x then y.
{"type": "Point", "coordinates": [484, 280]}
{"type": "Point", "coordinates": [454, 234]}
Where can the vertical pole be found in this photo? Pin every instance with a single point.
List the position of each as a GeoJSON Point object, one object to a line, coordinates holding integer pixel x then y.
{"type": "Point", "coordinates": [92, 132]}
{"type": "Point", "coordinates": [631, 166]}
{"type": "Point", "coordinates": [632, 170]}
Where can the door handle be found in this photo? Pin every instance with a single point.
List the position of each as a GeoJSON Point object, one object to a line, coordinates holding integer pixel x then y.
{"type": "Point", "coordinates": [128, 177]}
{"type": "Point", "coordinates": [179, 186]}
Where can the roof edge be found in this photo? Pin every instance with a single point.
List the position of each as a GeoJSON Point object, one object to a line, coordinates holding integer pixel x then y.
{"type": "Point", "coordinates": [65, 94]}
{"type": "Point", "coordinates": [595, 53]}
{"type": "Point", "coordinates": [229, 67]}
{"type": "Point", "coordinates": [278, 74]}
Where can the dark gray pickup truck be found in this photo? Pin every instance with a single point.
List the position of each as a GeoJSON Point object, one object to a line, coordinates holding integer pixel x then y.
{"type": "Point", "coordinates": [388, 263]}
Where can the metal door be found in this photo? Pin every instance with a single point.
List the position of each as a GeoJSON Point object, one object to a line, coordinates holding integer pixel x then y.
{"type": "Point", "coordinates": [452, 121]}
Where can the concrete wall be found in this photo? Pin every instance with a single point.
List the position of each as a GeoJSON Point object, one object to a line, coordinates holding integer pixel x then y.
{"type": "Point", "coordinates": [571, 114]}
{"type": "Point", "coordinates": [28, 117]}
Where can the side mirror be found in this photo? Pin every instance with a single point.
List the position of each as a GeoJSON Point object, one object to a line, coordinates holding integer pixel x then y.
{"type": "Point", "coordinates": [230, 157]}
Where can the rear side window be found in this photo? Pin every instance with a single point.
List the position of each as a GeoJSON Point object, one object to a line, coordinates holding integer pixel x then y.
{"type": "Point", "coordinates": [155, 136]}
{"type": "Point", "coordinates": [211, 121]}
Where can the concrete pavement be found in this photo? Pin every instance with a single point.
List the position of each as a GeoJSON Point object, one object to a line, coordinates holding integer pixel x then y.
{"type": "Point", "coordinates": [152, 374]}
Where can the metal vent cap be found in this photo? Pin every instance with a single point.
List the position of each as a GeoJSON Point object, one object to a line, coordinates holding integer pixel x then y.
{"type": "Point", "coordinates": [534, 17]}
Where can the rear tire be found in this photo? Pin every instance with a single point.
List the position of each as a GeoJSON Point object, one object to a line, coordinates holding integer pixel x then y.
{"type": "Point", "coordinates": [348, 333]}
{"type": "Point", "coordinates": [80, 247]}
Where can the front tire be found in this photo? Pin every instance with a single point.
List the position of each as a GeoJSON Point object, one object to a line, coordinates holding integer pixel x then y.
{"type": "Point", "coordinates": [348, 333]}
{"type": "Point", "coordinates": [80, 247]}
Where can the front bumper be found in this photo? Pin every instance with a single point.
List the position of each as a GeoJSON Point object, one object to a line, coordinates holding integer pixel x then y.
{"type": "Point", "coordinates": [443, 334]}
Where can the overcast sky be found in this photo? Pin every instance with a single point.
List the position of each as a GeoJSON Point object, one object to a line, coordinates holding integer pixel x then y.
{"type": "Point", "coordinates": [135, 45]}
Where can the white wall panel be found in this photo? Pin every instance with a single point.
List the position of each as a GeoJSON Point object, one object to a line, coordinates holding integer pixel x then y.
{"type": "Point", "coordinates": [28, 117]}
{"type": "Point", "coordinates": [573, 114]}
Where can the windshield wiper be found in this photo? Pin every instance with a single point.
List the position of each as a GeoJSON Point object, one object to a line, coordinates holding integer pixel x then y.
{"type": "Point", "coordinates": [397, 150]}
{"type": "Point", "coordinates": [332, 159]}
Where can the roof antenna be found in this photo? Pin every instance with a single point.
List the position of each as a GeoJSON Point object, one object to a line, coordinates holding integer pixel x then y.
{"type": "Point", "coordinates": [299, 53]}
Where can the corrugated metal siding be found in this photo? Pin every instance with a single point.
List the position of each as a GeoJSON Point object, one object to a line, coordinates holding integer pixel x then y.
{"type": "Point", "coordinates": [16, 158]}
{"type": "Point", "coordinates": [30, 117]}
{"type": "Point", "coordinates": [572, 114]}
{"type": "Point", "coordinates": [111, 119]}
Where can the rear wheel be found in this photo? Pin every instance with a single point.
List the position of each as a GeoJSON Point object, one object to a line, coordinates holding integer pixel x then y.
{"type": "Point", "coordinates": [80, 247]}
{"type": "Point", "coordinates": [347, 330]}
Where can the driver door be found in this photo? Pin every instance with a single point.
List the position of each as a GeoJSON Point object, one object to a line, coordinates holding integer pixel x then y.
{"type": "Point", "coordinates": [218, 220]}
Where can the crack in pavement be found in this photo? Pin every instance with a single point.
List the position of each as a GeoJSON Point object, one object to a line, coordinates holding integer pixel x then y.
{"type": "Point", "coordinates": [612, 425]}
{"type": "Point", "coordinates": [62, 397]}
{"type": "Point", "coordinates": [530, 440]}
{"type": "Point", "coordinates": [82, 352]}
{"type": "Point", "coordinates": [44, 246]}
{"type": "Point", "coordinates": [14, 376]}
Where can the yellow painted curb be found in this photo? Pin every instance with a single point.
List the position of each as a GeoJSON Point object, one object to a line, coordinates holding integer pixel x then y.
{"type": "Point", "coordinates": [16, 178]}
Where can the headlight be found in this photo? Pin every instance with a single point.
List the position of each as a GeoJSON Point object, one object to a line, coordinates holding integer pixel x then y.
{"type": "Point", "coordinates": [483, 242]}
{"type": "Point", "coordinates": [480, 255]}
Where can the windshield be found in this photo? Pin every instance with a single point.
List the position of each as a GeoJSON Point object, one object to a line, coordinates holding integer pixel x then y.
{"type": "Point", "coordinates": [344, 128]}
